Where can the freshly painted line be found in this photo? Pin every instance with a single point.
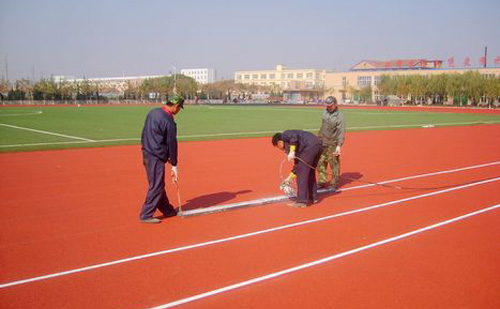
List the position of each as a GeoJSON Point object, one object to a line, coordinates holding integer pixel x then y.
{"type": "Point", "coordinates": [426, 175]}
{"type": "Point", "coordinates": [237, 237]}
{"type": "Point", "coordinates": [322, 261]}
{"type": "Point", "coordinates": [46, 132]}
{"type": "Point", "coordinates": [183, 137]}
{"type": "Point", "coordinates": [274, 199]}
{"type": "Point", "coordinates": [423, 124]}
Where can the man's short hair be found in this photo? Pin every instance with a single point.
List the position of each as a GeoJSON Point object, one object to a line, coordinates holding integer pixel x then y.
{"type": "Point", "coordinates": [276, 139]}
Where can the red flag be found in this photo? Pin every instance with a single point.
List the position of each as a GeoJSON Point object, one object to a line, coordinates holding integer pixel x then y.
{"type": "Point", "coordinates": [482, 61]}
{"type": "Point", "coordinates": [497, 61]}
{"type": "Point", "coordinates": [451, 62]}
{"type": "Point", "coordinates": [399, 63]}
{"type": "Point", "coordinates": [467, 62]}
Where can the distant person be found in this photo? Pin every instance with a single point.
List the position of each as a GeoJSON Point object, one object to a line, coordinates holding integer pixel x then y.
{"type": "Point", "coordinates": [304, 148]}
{"type": "Point", "coordinates": [332, 135]}
{"type": "Point", "coordinates": [159, 146]}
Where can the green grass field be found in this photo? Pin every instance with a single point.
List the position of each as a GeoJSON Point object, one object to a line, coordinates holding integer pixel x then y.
{"type": "Point", "coordinates": [59, 127]}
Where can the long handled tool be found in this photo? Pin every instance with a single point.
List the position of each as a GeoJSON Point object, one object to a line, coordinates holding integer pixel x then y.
{"type": "Point", "coordinates": [179, 204]}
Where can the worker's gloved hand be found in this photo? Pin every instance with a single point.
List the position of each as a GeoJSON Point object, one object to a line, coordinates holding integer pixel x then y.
{"type": "Point", "coordinates": [337, 151]}
{"type": "Point", "coordinates": [175, 174]}
{"type": "Point", "coordinates": [291, 155]}
{"type": "Point", "coordinates": [288, 181]}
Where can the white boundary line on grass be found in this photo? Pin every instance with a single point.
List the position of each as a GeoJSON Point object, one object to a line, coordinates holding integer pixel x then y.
{"type": "Point", "coordinates": [306, 109]}
{"type": "Point", "coordinates": [237, 237]}
{"type": "Point", "coordinates": [31, 113]}
{"type": "Point", "coordinates": [46, 132]}
{"type": "Point", "coordinates": [425, 125]}
{"type": "Point", "coordinates": [322, 261]}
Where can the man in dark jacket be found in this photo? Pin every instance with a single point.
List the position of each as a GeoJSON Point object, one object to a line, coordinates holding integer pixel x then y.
{"type": "Point", "coordinates": [159, 146]}
{"type": "Point", "coordinates": [305, 149]}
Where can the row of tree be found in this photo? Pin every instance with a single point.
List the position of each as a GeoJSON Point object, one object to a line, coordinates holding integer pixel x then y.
{"type": "Point", "coordinates": [148, 89]}
{"type": "Point", "coordinates": [468, 88]}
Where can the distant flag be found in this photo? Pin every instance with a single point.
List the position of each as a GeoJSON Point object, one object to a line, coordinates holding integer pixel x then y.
{"type": "Point", "coordinates": [497, 61]}
{"type": "Point", "coordinates": [411, 63]}
{"type": "Point", "coordinates": [451, 62]}
{"type": "Point", "coordinates": [467, 62]}
{"type": "Point", "coordinates": [482, 61]}
{"type": "Point", "coordinates": [399, 63]}
{"type": "Point", "coordinates": [387, 64]}
{"type": "Point", "coordinates": [424, 63]}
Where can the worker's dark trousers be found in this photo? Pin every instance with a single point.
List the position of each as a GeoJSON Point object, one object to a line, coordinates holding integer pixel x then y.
{"type": "Point", "coordinates": [306, 176]}
{"type": "Point", "coordinates": [156, 197]}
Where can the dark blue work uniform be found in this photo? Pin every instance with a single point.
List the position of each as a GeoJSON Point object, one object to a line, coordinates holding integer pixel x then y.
{"type": "Point", "coordinates": [159, 146]}
{"type": "Point", "coordinates": [308, 148]}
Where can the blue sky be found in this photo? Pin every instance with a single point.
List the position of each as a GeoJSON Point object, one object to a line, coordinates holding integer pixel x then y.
{"type": "Point", "coordinates": [99, 38]}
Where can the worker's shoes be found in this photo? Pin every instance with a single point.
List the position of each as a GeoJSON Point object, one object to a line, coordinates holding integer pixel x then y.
{"type": "Point", "coordinates": [150, 220]}
{"type": "Point", "coordinates": [297, 205]}
{"type": "Point", "coordinates": [323, 185]}
{"type": "Point", "coordinates": [169, 214]}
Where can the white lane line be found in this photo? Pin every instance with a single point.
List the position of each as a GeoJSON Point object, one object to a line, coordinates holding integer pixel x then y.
{"type": "Point", "coordinates": [249, 133]}
{"type": "Point", "coordinates": [46, 132]}
{"type": "Point", "coordinates": [424, 124]}
{"type": "Point", "coordinates": [424, 175]}
{"type": "Point", "coordinates": [322, 261]}
{"type": "Point", "coordinates": [237, 237]}
{"type": "Point", "coordinates": [274, 199]}
{"type": "Point", "coordinates": [72, 142]}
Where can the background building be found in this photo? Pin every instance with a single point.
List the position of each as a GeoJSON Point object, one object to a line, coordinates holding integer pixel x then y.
{"type": "Point", "coordinates": [368, 73]}
{"type": "Point", "coordinates": [295, 84]}
{"type": "Point", "coordinates": [201, 76]}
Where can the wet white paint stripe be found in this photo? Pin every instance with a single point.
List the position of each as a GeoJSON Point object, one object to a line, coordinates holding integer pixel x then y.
{"type": "Point", "coordinates": [46, 132]}
{"type": "Point", "coordinates": [274, 199]}
{"type": "Point", "coordinates": [237, 237]}
{"type": "Point", "coordinates": [321, 261]}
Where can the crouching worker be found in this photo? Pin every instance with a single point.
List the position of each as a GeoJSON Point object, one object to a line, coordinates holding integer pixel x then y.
{"type": "Point", "coordinates": [159, 146]}
{"type": "Point", "coordinates": [305, 149]}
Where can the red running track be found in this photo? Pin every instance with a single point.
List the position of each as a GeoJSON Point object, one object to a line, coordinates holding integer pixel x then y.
{"type": "Point", "coordinates": [63, 210]}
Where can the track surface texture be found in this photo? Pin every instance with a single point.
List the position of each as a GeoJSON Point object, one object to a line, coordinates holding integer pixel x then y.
{"type": "Point", "coordinates": [63, 211]}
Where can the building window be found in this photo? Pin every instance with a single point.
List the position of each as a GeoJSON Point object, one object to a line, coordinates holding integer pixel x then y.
{"type": "Point", "coordinates": [364, 81]}
{"type": "Point", "coordinates": [300, 75]}
{"type": "Point", "coordinates": [376, 80]}
{"type": "Point", "coordinates": [344, 81]}
{"type": "Point", "coordinates": [289, 76]}
{"type": "Point", "coordinates": [255, 76]}
{"type": "Point", "coordinates": [263, 76]}
{"type": "Point", "coordinates": [238, 76]}
{"type": "Point", "coordinates": [272, 76]}
{"type": "Point", "coordinates": [247, 76]}
{"type": "Point", "coordinates": [309, 75]}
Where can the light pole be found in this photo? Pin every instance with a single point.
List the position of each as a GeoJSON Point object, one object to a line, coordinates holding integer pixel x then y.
{"type": "Point", "coordinates": [175, 79]}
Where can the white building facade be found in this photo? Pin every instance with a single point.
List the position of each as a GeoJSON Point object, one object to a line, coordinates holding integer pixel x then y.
{"type": "Point", "coordinates": [201, 76]}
